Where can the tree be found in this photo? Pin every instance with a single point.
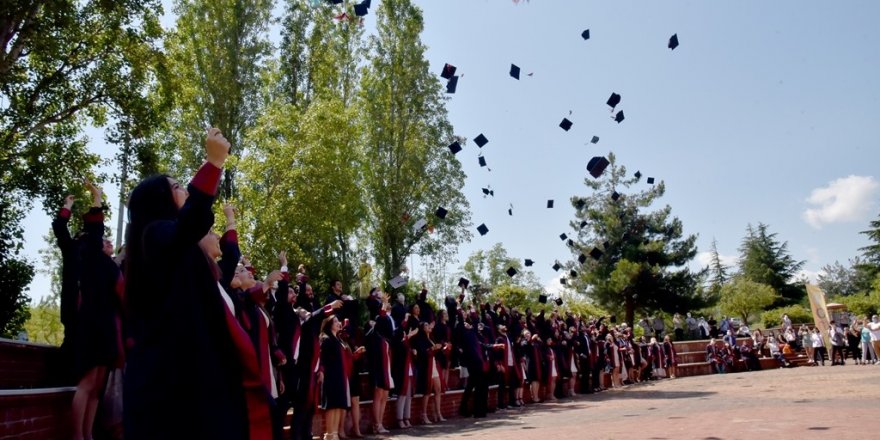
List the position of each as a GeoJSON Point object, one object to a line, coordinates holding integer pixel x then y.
{"type": "Point", "coordinates": [717, 269]}
{"type": "Point", "coordinates": [215, 57]}
{"type": "Point", "coordinates": [408, 172]}
{"type": "Point", "coordinates": [15, 272]}
{"type": "Point", "coordinates": [837, 279]}
{"type": "Point", "coordinates": [763, 259]}
{"type": "Point", "coordinates": [868, 267]}
{"type": "Point", "coordinates": [489, 270]}
{"type": "Point", "coordinates": [44, 325]}
{"type": "Point", "coordinates": [643, 256]}
{"type": "Point", "coordinates": [744, 298]}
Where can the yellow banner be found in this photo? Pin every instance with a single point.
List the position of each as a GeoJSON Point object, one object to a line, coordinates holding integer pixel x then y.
{"type": "Point", "coordinates": [820, 311]}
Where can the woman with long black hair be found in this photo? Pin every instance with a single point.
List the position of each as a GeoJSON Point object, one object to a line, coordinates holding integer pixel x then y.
{"type": "Point", "coordinates": [192, 372]}
{"type": "Point", "coordinates": [333, 376]}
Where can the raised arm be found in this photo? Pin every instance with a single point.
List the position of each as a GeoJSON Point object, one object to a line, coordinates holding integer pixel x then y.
{"type": "Point", "coordinates": [60, 226]}
{"type": "Point", "coordinates": [229, 248]}
{"type": "Point", "coordinates": [93, 221]}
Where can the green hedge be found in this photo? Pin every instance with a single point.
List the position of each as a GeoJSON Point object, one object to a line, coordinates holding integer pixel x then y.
{"type": "Point", "coordinates": [797, 313]}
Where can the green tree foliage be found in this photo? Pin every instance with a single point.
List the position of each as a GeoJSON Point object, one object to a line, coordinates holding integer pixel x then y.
{"type": "Point", "coordinates": [797, 313]}
{"type": "Point", "coordinates": [839, 280]}
{"type": "Point", "coordinates": [744, 298]}
{"type": "Point", "coordinates": [642, 268]}
{"type": "Point", "coordinates": [489, 270]}
{"type": "Point", "coordinates": [44, 325]}
{"type": "Point", "coordinates": [868, 266]}
{"type": "Point", "coordinates": [15, 272]}
{"type": "Point", "coordinates": [408, 172]}
{"type": "Point", "coordinates": [718, 272]}
{"type": "Point", "coordinates": [763, 259]}
{"type": "Point", "coordinates": [215, 56]}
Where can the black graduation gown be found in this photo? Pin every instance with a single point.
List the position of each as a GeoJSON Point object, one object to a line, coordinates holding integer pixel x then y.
{"type": "Point", "coordinates": [335, 391]}
{"type": "Point", "coordinates": [379, 352]}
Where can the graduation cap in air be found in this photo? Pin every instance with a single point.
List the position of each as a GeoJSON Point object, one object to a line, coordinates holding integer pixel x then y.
{"type": "Point", "coordinates": [452, 84]}
{"type": "Point", "coordinates": [448, 71]}
{"type": "Point", "coordinates": [582, 258]}
{"type": "Point", "coordinates": [482, 229]}
{"type": "Point", "coordinates": [650, 180]}
{"type": "Point", "coordinates": [563, 237]}
{"type": "Point", "coordinates": [594, 140]}
{"type": "Point", "coordinates": [619, 117]}
{"type": "Point", "coordinates": [511, 272]}
{"type": "Point", "coordinates": [613, 100]}
{"type": "Point", "coordinates": [441, 213]}
{"type": "Point", "coordinates": [673, 42]}
{"type": "Point", "coordinates": [529, 262]}
{"type": "Point", "coordinates": [596, 253]}
{"type": "Point", "coordinates": [514, 71]}
{"type": "Point", "coordinates": [613, 319]}
{"type": "Point", "coordinates": [549, 204]}
{"type": "Point", "coordinates": [583, 223]}
{"type": "Point", "coordinates": [585, 34]}
{"type": "Point", "coordinates": [638, 174]}
{"type": "Point", "coordinates": [570, 242]}
{"type": "Point", "coordinates": [597, 166]}
{"type": "Point", "coordinates": [565, 124]}
{"type": "Point", "coordinates": [510, 210]}
{"type": "Point", "coordinates": [556, 266]}
{"type": "Point", "coordinates": [488, 192]}
{"type": "Point", "coordinates": [397, 282]}
{"type": "Point", "coordinates": [482, 161]}
{"type": "Point", "coordinates": [542, 298]}
{"type": "Point", "coordinates": [481, 140]}
{"type": "Point", "coordinates": [559, 302]}
{"type": "Point", "coordinates": [580, 203]}
{"type": "Point", "coordinates": [562, 281]}
{"type": "Point", "coordinates": [463, 282]}
{"type": "Point", "coordinates": [573, 273]}
{"type": "Point", "coordinates": [362, 8]}
{"type": "Point", "coordinates": [615, 195]}
{"type": "Point", "coordinates": [606, 245]}
{"type": "Point", "coordinates": [455, 147]}
{"type": "Point", "coordinates": [335, 2]}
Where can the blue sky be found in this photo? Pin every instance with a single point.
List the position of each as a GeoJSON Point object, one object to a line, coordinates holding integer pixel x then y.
{"type": "Point", "coordinates": [766, 112]}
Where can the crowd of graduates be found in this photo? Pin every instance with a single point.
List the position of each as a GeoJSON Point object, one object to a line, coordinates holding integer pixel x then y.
{"type": "Point", "coordinates": [208, 351]}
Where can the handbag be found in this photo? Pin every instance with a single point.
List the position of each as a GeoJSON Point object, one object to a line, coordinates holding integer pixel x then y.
{"type": "Point", "coordinates": [659, 372]}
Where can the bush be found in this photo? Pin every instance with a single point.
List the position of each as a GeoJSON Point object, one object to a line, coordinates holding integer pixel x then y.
{"type": "Point", "coordinates": [860, 304]}
{"type": "Point", "coordinates": [797, 313]}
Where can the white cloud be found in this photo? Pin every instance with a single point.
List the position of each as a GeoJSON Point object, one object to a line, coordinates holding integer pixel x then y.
{"type": "Point", "coordinates": [554, 287]}
{"type": "Point", "coordinates": [847, 199]}
{"type": "Point", "coordinates": [704, 258]}
{"type": "Point", "coordinates": [811, 275]}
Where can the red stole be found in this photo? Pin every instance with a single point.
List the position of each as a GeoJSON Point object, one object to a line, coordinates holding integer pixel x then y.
{"type": "Point", "coordinates": [256, 399]}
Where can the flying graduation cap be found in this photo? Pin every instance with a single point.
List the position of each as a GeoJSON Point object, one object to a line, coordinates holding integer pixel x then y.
{"type": "Point", "coordinates": [441, 213]}
{"type": "Point", "coordinates": [488, 192]}
{"type": "Point", "coordinates": [481, 140]}
{"type": "Point", "coordinates": [638, 174]}
{"type": "Point", "coordinates": [556, 266]}
{"type": "Point", "coordinates": [463, 282]}
{"type": "Point", "coordinates": [455, 147]}
{"type": "Point", "coordinates": [452, 84]}
{"type": "Point", "coordinates": [613, 100]}
{"type": "Point", "coordinates": [585, 34]}
{"type": "Point", "coordinates": [510, 210]}
{"type": "Point", "coordinates": [511, 272]}
{"type": "Point", "coordinates": [565, 124]}
{"type": "Point", "coordinates": [596, 253]}
{"type": "Point", "coordinates": [650, 180]}
{"type": "Point", "coordinates": [615, 195]}
{"type": "Point", "coordinates": [573, 273]}
{"type": "Point", "coordinates": [529, 262]}
{"type": "Point", "coordinates": [673, 42]}
{"type": "Point", "coordinates": [597, 166]}
{"type": "Point", "coordinates": [448, 71]}
{"type": "Point", "coordinates": [558, 302]}
{"type": "Point", "coordinates": [580, 204]}
{"type": "Point", "coordinates": [549, 204]}
{"type": "Point", "coordinates": [563, 237]}
{"type": "Point", "coordinates": [514, 71]}
{"type": "Point", "coordinates": [542, 298]}
{"type": "Point", "coordinates": [594, 140]}
{"type": "Point", "coordinates": [482, 229]}
{"type": "Point", "coordinates": [482, 161]}
{"type": "Point", "coordinates": [363, 8]}
{"type": "Point", "coordinates": [582, 258]}
{"type": "Point", "coordinates": [619, 117]}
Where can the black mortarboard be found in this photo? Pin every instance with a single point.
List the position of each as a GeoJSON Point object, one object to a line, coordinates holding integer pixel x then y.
{"type": "Point", "coordinates": [673, 42]}
{"type": "Point", "coordinates": [511, 271]}
{"type": "Point", "coordinates": [583, 223]}
{"type": "Point", "coordinates": [596, 253]}
{"type": "Point", "coordinates": [580, 203]}
{"type": "Point", "coordinates": [482, 229]}
{"type": "Point", "coordinates": [606, 245]}
{"type": "Point", "coordinates": [529, 262]}
{"type": "Point", "coordinates": [638, 174]}
{"type": "Point", "coordinates": [594, 140]}
{"type": "Point", "coordinates": [613, 100]}
{"type": "Point", "coordinates": [549, 203]}
{"type": "Point", "coordinates": [463, 282]}
{"type": "Point", "coordinates": [482, 161]}
{"type": "Point", "coordinates": [452, 84]}
{"type": "Point", "coordinates": [562, 281]}
{"type": "Point", "coordinates": [570, 242]}
{"type": "Point", "coordinates": [563, 237]}
{"type": "Point", "coordinates": [582, 258]}
{"type": "Point", "coordinates": [510, 210]}
{"type": "Point", "coordinates": [542, 298]}
{"type": "Point", "coordinates": [361, 9]}
{"type": "Point", "coordinates": [559, 302]}
{"type": "Point", "coordinates": [455, 147]}
{"type": "Point", "coordinates": [481, 140]}
{"type": "Point", "coordinates": [573, 273]}
{"type": "Point", "coordinates": [651, 180]}
{"type": "Point", "coordinates": [585, 34]}
{"type": "Point", "coordinates": [597, 165]}
{"type": "Point", "coordinates": [441, 213]}
{"type": "Point", "coordinates": [615, 195]}
{"type": "Point", "coordinates": [613, 319]}
{"type": "Point", "coordinates": [487, 191]}
{"type": "Point", "coordinates": [565, 124]}
{"type": "Point", "coordinates": [335, 2]}
{"type": "Point", "coordinates": [448, 71]}
{"type": "Point", "coordinates": [514, 71]}
{"type": "Point", "coordinates": [556, 266]}
{"type": "Point", "coordinates": [619, 117]}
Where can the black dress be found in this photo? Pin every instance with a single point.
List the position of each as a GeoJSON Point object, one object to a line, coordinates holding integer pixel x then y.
{"type": "Point", "coordinates": [335, 391]}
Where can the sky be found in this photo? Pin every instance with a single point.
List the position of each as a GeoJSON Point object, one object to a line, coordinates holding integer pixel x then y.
{"type": "Point", "coordinates": [766, 112]}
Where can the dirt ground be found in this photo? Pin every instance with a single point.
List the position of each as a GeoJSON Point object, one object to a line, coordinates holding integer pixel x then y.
{"type": "Point", "coordinates": [840, 402]}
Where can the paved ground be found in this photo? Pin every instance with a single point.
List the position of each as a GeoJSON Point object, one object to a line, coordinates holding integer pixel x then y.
{"type": "Point", "coordinates": [806, 402]}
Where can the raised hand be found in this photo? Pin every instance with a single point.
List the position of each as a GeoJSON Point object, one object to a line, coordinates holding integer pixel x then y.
{"type": "Point", "coordinates": [96, 192]}
{"type": "Point", "coordinates": [68, 202]}
{"type": "Point", "coordinates": [274, 276]}
{"type": "Point", "coordinates": [282, 258]}
{"type": "Point", "coordinates": [229, 212]}
{"type": "Point", "coordinates": [216, 147]}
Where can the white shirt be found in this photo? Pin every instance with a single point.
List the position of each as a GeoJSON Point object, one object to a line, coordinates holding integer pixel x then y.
{"type": "Point", "coordinates": [875, 331]}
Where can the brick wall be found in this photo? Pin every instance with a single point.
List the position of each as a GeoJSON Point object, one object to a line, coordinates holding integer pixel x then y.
{"type": "Point", "coordinates": [28, 365]}
{"type": "Point", "coordinates": [35, 414]}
